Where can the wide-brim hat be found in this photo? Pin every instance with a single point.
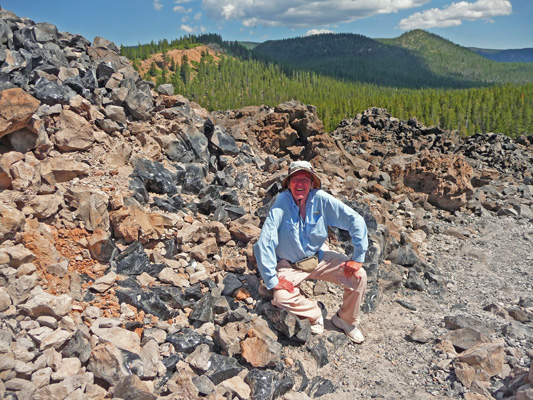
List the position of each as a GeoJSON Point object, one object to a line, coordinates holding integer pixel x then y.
{"type": "Point", "coordinates": [301, 166]}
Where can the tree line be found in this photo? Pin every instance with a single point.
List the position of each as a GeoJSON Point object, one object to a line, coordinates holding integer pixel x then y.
{"type": "Point", "coordinates": [236, 82]}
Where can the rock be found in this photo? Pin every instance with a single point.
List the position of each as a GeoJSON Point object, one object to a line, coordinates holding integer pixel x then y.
{"type": "Point", "coordinates": [518, 330]}
{"type": "Point", "coordinates": [460, 321]}
{"type": "Point", "coordinates": [78, 346]}
{"type": "Point", "coordinates": [203, 309]}
{"type": "Point", "coordinates": [52, 92]}
{"type": "Point", "coordinates": [20, 290]}
{"type": "Point", "coordinates": [132, 388]}
{"type": "Point", "coordinates": [18, 255]}
{"type": "Point", "coordinates": [229, 336]}
{"type": "Point", "coordinates": [222, 142]}
{"type": "Point", "coordinates": [41, 378]}
{"type": "Point", "coordinates": [261, 350]}
{"type": "Point", "coordinates": [42, 303]}
{"type": "Point", "coordinates": [244, 233]}
{"type": "Point", "coordinates": [134, 224]}
{"type": "Point", "coordinates": [101, 246]}
{"type": "Point", "coordinates": [155, 177]}
{"type": "Point", "coordinates": [465, 338]}
{"type": "Point", "coordinates": [420, 335]}
{"type": "Point", "coordinates": [166, 89]}
{"type": "Point", "coordinates": [488, 357]}
{"type": "Point", "coordinates": [5, 300]}
{"type": "Point", "coordinates": [231, 283]}
{"type": "Point", "coordinates": [69, 367]}
{"type": "Point", "coordinates": [204, 384]}
{"type": "Point", "coordinates": [150, 359]}
{"type": "Point", "coordinates": [56, 339]}
{"type": "Point", "coordinates": [16, 109]}
{"type": "Point", "coordinates": [288, 324]}
{"type": "Point", "coordinates": [320, 386]}
{"type": "Point", "coordinates": [222, 368]}
{"type": "Point", "coordinates": [107, 363]}
{"type": "Point", "coordinates": [92, 211]}
{"type": "Point", "coordinates": [404, 255]}
{"type": "Point", "coordinates": [11, 221]}
{"type": "Point", "coordinates": [268, 384]}
{"type": "Point", "coordinates": [199, 358]}
{"type": "Point", "coordinates": [168, 275]}
{"type": "Point", "coordinates": [188, 340]}
{"type": "Point", "coordinates": [203, 250]}
{"type": "Point", "coordinates": [319, 352]}
{"type": "Point", "coordinates": [74, 134]}
{"type": "Point", "coordinates": [62, 169]}
{"type": "Point", "coordinates": [104, 283]}
{"type": "Point", "coordinates": [237, 387]}
{"type": "Point", "coordinates": [120, 338]}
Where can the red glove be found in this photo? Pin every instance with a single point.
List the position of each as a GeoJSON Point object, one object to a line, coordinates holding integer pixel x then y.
{"type": "Point", "coordinates": [285, 285]}
{"type": "Point", "coordinates": [351, 268]}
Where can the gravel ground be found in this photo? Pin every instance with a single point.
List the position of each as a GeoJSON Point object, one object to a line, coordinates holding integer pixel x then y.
{"type": "Point", "coordinates": [483, 261]}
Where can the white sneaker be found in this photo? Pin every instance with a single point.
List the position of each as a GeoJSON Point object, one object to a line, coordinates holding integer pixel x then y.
{"type": "Point", "coordinates": [350, 330]}
{"type": "Point", "coordinates": [318, 327]}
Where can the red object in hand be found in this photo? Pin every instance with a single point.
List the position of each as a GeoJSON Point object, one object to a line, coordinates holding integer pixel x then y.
{"type": "Point", "coordinates": [285, 285]}
{"type": "Point", "coordinates": [351, 268]}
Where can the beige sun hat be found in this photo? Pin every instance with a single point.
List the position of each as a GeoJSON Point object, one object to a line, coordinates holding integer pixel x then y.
{"type": "Point", "coordinates": [302, 166]}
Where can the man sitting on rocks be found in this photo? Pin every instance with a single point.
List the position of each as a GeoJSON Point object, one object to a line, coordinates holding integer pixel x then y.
{"type": "Point", "coordinates": [290, 250]}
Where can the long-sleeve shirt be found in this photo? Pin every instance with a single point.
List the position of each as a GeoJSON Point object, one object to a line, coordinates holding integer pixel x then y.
{"type": "Point", "coordinates": [286, 235]}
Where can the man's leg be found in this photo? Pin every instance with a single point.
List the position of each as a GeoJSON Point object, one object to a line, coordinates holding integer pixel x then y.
{"type": "Point", "coordinates": [295, 303]}
{"type": "Point", "coordinates": [354, 286]}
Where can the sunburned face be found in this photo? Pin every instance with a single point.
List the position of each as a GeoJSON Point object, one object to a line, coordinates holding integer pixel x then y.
{"type": "Point", "coordinates": [300, 184]}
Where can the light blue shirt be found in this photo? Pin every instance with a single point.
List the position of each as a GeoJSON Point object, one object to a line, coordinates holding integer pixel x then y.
{"type": "Point", "coordinates": [285, 235]}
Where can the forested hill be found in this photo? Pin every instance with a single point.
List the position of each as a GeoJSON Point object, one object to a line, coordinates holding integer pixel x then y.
{"type": "Point", "coordinates": [414, 60]}
{"type": "Point", "coordinates": [510, 55]}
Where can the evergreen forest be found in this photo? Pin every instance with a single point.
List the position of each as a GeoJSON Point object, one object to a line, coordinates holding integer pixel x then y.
{"type": "Point", "coordinates": [471, 102]}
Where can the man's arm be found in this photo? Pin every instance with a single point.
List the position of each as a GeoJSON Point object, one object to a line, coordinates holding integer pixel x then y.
{"type": "Point", "coordinates": [265, 248]}
{"type": "Point", "coordinates": [341, 216]}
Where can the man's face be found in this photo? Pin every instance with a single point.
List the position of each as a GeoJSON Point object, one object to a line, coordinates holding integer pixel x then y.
{"type": "Point", "coordinates": [300, 184]}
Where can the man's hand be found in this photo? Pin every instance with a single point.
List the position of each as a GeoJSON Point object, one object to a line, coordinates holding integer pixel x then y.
{"type": "Point", "coordinates": [284, 284]}
{"type": "Point", "coordinates": [351, 268]}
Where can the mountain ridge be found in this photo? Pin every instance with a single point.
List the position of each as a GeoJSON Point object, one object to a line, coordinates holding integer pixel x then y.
{"type": "Point", "coordinates": [415, 59]}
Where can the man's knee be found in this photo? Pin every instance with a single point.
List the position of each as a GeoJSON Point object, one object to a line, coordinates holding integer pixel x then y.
{"type": "Point", "coordinates": [360, 276]}
{"type": "Point", "coordinates": [282, 297]}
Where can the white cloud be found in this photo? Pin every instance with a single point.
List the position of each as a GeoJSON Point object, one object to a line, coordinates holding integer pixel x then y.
{"type": "Point", "coordinates": [202, 28]}
{"type": "Point", "coordinates": [301, 13]}
{"type": "Point", "coordinates": [182, 1]}
{"type": "Point", "coordinates": [157, 5]}
{"type": "Point", "coordinates": [182, 10]}
{"type": "Point", "coordinates": [187, 28]}
{"type": "Point", "coordinates": [455, 13]}
{"type": "Point", "coordinates": [312, 32]}
{"type": "Point", "coordinates": [197, 16]}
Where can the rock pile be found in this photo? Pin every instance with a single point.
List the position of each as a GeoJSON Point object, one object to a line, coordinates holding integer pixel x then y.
{"type": "Point", "coordinates": [127, 218]}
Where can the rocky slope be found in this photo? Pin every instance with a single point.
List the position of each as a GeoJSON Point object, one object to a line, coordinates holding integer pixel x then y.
{"type": "Point", "coordinates": [127, 218]}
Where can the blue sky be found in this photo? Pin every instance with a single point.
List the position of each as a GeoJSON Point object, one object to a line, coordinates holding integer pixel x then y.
{"type": "Point", "coordinates": [493, 24]}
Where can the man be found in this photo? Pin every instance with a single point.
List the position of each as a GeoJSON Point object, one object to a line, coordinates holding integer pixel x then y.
{"type": "Point", "coordinates": [295, 229]}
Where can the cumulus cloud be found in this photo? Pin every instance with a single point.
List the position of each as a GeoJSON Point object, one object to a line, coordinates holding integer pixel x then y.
{"type": "Point", "coordinates": [182, 1]}
{"type": "Point", "coordinates": [456, 13]}
{"type": "Point", "coordinates": [181, 10]}
{"type": "Point", "coordinates": [302, 14]}
{"type": "Point", "coordinates": [197, 16]}
{"type": "Point", "coordinates": [187, 28]}
{"type": "Point", "coordinates": [157, 5]}
{"type": "Point", "coordinates": [312, 32]}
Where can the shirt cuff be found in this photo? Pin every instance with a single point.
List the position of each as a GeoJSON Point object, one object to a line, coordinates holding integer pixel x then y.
{"type": "Point", "coordinates": [273, 283]}
{"type": "Point", "coordinates": [360, 258]}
